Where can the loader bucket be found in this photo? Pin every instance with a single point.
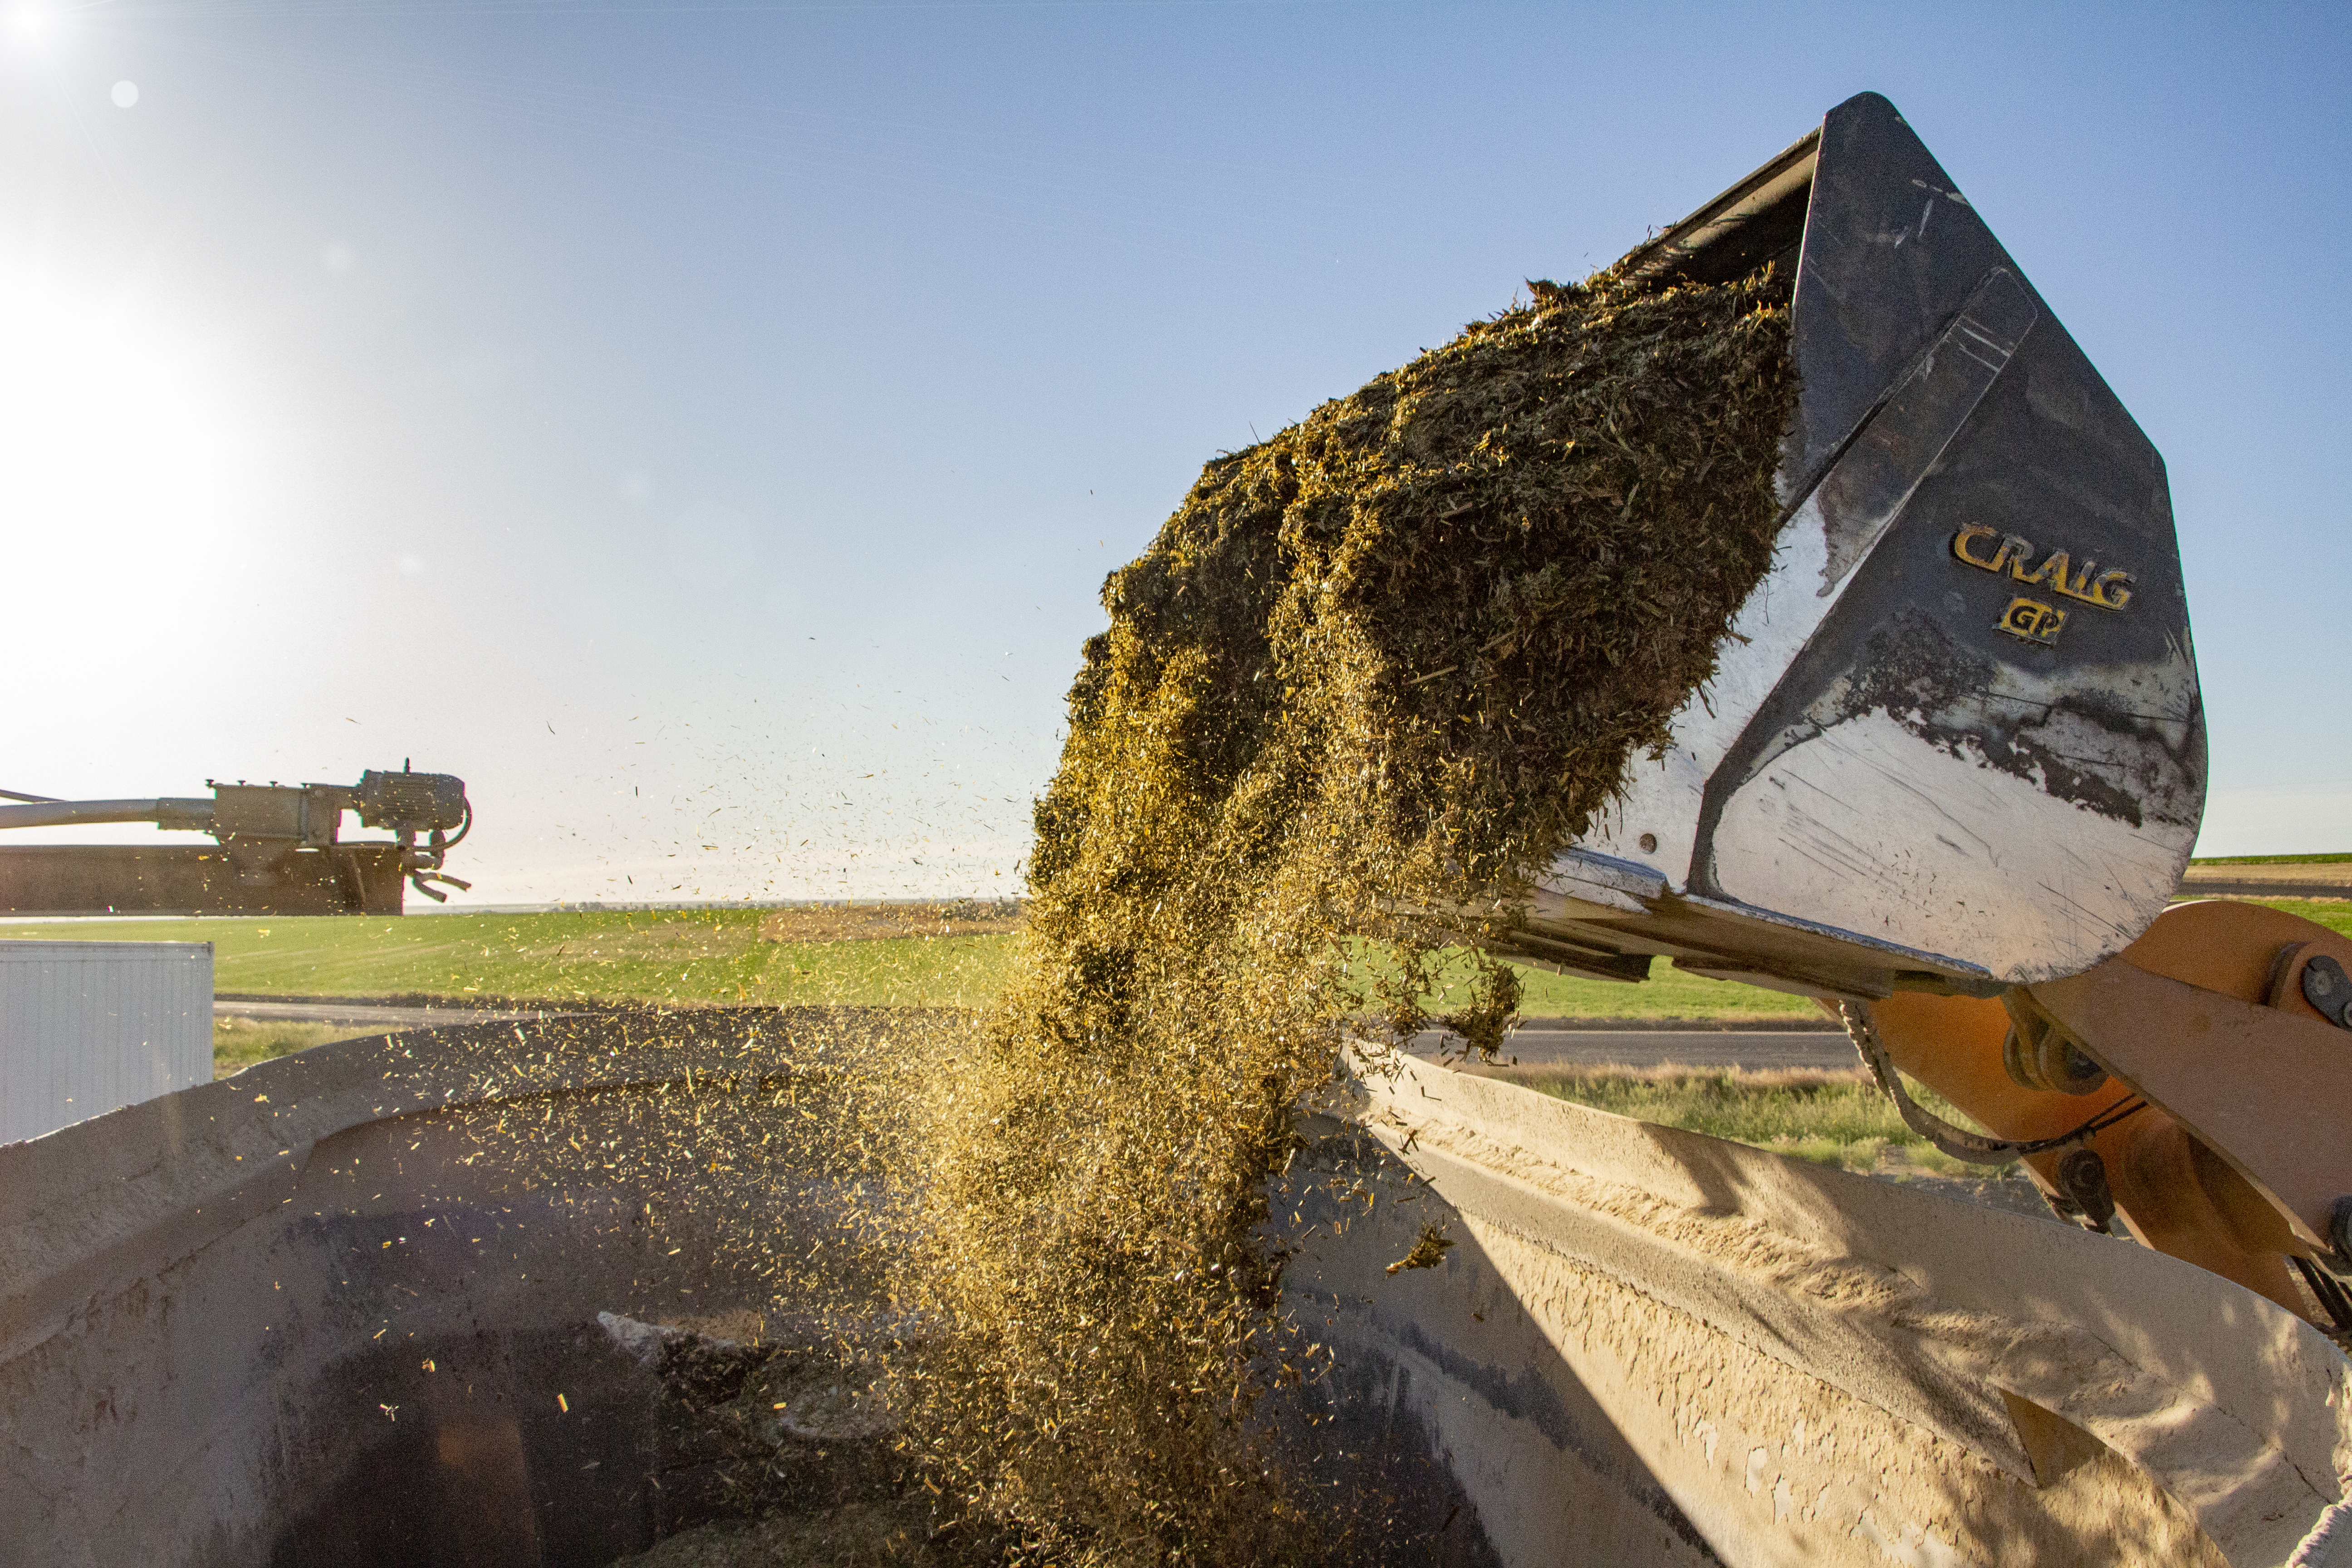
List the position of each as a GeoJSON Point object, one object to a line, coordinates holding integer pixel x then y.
{"type": "Point", "coordinates": [1954, 741]}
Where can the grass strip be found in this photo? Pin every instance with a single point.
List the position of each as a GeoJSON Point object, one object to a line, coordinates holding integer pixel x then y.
{"type": "Point", "coordinates": [679, 956]}
{"type": "Point", "coordinates": [239, 1042]}
{"type": "Point", "coordinates": [2335, 914]}
{"type": "Point", "coordinates": [1453, 977]}
{"type": "Point", "coordinates": [1829, 1117]}
{"type": "Point", "coordinates": [720, 955]}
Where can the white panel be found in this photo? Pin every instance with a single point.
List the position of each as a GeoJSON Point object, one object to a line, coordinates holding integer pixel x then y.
{"type": "Point", "coordinates": [88, 1027]}
{"type": "Point", "coordinates": [1869, 828]}
{"type": "Point", "coordinates": [1661, 799]}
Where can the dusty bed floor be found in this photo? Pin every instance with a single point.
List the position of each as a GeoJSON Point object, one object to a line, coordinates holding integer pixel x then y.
{"type": "Point", "coordinates": [856, 1535]}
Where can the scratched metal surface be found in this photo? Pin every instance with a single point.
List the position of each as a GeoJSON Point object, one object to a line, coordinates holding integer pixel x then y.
{"type": "Point", "coordinates": [1956, 738]}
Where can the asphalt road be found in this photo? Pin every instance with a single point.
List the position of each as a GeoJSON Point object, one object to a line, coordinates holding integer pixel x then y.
{"type": "Point", "coordinates": [2326, 879]}
{"type": "Point", "coordinates": [1535, 1046]}
{"type": "Point", "coordinates": [359, 1015]}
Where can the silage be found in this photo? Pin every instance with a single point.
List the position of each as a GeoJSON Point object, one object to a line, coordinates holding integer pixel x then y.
{"type": "Point", "coordinates": [1366, 681]}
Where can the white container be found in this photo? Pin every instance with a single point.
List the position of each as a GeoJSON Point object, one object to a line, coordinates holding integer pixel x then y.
{"type": "Point", "coordinates": [88, 1027]}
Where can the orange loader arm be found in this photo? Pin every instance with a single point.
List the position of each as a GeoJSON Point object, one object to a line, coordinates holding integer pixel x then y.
{"type": "Point", "coordinates": [2198, 1086]}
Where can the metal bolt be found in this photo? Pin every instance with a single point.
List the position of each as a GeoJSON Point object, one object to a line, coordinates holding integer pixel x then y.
{"type": "Point", "coordinates": [1649, 843]}
{"type": "Point", "coordinates": [2083, 1177]}
{"type": "Point", "coordinates": [2324, 981]}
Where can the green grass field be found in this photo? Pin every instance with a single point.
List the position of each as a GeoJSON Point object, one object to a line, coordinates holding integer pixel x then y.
{"type": "Point", "coordinates": [2333, 913]}
{"type": "Point", "coordinates": [696, 955]}
{"type": "Point", "coordinates": [1830, 1118]}
{"type": "Point", "coordinates": [715, 955]}
{"type": "Point", "coordinates": [238, 1043]}
{"type": "Point", "coordinates": [1668, 993]}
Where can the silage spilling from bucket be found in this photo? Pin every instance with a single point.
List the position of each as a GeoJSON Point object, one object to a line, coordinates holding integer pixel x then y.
{"type": "Point", "coordinates": [1385, 662]}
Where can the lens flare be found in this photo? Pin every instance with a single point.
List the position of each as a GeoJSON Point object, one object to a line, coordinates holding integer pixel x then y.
{"type": "Point", "coordinates": [126, 473]}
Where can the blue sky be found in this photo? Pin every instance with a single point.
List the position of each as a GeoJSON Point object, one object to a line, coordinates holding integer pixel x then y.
{"type": "Point", "coordinates": [706, 427]}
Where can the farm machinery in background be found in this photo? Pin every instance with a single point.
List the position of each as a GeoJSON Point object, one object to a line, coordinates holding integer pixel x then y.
{"type": "Point", "coordinates": [279, 849]}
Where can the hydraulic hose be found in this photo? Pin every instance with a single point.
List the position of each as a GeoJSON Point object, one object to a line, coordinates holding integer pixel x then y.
{"type": "Point", "coordinates": [1861, 1028]}
{"type": "Point", "coordinates": [186, 815]}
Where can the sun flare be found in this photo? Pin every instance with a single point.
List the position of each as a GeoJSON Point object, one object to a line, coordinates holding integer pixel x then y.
{"type": "Point", "coordinates": [126, 471]}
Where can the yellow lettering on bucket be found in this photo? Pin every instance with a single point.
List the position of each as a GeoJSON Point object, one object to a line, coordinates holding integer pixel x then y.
{"type": "Point", "coordinates": [2031, 620]}
{"type": "Point", "coordinates": [2057, 573]}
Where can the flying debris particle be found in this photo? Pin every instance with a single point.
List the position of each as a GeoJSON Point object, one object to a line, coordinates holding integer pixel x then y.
{"type": "Point", "coordinates": [1428, 1251]}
